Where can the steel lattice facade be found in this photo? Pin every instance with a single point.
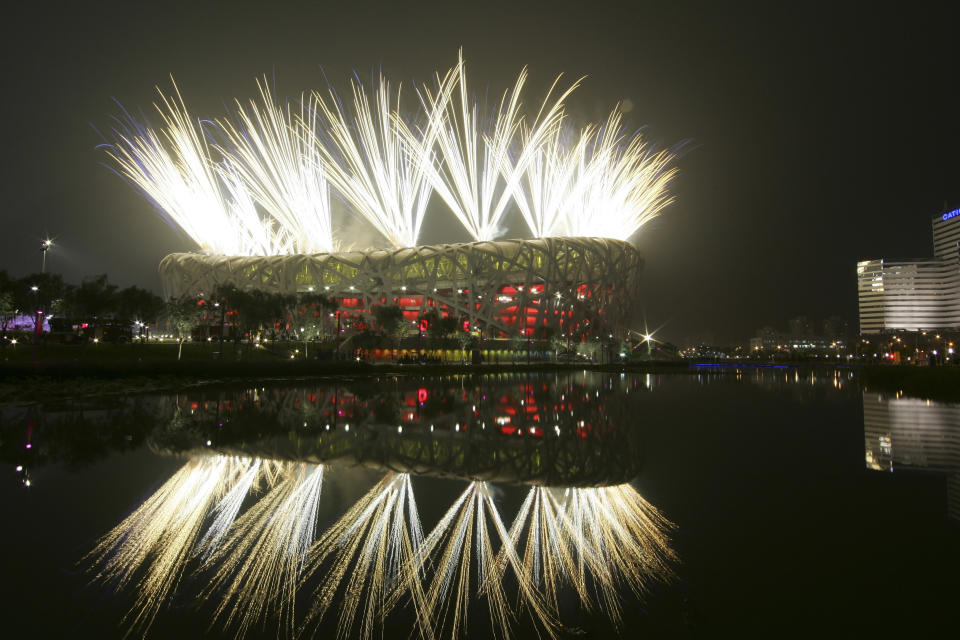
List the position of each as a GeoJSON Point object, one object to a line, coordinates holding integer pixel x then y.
{"type": "Point", "coordinates": [506, 288]}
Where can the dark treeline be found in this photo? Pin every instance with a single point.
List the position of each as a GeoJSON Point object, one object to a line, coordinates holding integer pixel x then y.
{"type": "Point", "coordinates": [94, 301]}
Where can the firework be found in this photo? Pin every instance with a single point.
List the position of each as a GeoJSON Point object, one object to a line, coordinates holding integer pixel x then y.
{"type": "Point", "coordinates": [156, 541]}
{"type": "Point", "coordinates": [543, 189]}
{"type": "Point", "coordinates": [547, 560]}
{"type": "Point", "coordinates": [266, 192]}
{"type": "Point", "coordinates": [620, 182]}
{"type": "Point", "coordinates": [462, 533]}
{"type": "Point", "coordinates": [282, 167]}
{"type": "Point", "coordinates": [372, 160]}
{"type": "Point", "coordinates": [366, 550]}
{"type": "Point", "coordinates": [174, 169]}
{"type": "Point", "coordinates": [258, 563]}
{"type": "Point", "coordinates": [616, 537]}
{"type": "Point", "coordinates": [473, 172]}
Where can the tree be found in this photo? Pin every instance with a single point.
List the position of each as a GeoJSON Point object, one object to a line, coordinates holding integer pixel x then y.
{"type": "Point", "coordinates": [388, 318]}
{"type": "Point", "coordinates": [183, 314]}
{"type": "Point", "coordinates": [139, 305]}
{"type": "Point", "coordinates": [437, 326]}
{"type": "Point", "coordinates": [9, 307]}
{"type": "Point", "coordinates": [95, 299]}
{"type": "Point", "coordinates": [466, 340]}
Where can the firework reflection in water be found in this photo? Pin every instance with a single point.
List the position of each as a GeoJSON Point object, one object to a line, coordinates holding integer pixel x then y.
{"type": "Point", "coordinates": [258, 563]}
{"type": "Point", "coordinates": [596, 540]}
{"type": "Point", "coordinates": [152, 546]}
{"type": "Point", "coordinates": [363, 553]}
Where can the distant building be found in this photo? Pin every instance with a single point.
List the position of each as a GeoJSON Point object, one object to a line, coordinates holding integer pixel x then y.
{"type": "Point", "coordinates": [801, 337]}
{"type": "Point", "coordinates": [914, 295]}
{"type": "Point", "coordinates": [800, 327]}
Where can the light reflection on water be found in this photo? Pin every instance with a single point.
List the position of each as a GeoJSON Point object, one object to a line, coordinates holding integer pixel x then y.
{"type": "Point", "coordinates": [909, 434]}
{"type": "Point", "coordinates": [239, 518]}
{"type": "Point", "coordinates": [237, 527]}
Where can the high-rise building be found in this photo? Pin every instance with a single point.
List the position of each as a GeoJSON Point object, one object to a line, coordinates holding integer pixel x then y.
{"type": "Point", "coordinates": [914, 295]}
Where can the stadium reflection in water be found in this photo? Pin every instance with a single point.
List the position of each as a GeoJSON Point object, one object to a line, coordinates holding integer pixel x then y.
{"type": "Point", "coordinates": [241, 514]}
{"type": "Point", "coordinates": [908, 434]}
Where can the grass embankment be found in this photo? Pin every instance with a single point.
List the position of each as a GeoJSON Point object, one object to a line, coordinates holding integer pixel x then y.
{"type": "Point", "coordinates": [933, 383]}
{"type": "Point", "coordinates": [55, 372]}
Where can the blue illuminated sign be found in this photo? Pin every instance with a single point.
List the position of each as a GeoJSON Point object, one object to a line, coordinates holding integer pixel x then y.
{"type": "Point", "coordinates": [951, 214]}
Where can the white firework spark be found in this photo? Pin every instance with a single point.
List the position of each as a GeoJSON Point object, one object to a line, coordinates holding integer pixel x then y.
{"type": "Point", "coordinates": [543, 189]}
{"type": "Point", "coordinates": [367, 548]}
{"type": "Point", "coordinates": [227, 509]}
{"type": "Point", "coordinates": [620, 184]}
{"type": "Point", "coordinates": [157, 540]}
{"type": "Point", "coordinates": [283, 168]}
{"type": "Point", "coordinates": [615, 537]}
{"type": "Point", "coordinates": [547, 560]}
{"type": "Point", "coordinates": [373, 160]}
{"type": "Point", "coordinates": [471, 161]}
{"type": "Point", "coordinates": [259, 562]}
{"type": "Point", "coordinates": [174, 169]}
{"type": "Point", "coordinates": [463, 532]}
{"type": "Point", "coordinates": [268, 193]}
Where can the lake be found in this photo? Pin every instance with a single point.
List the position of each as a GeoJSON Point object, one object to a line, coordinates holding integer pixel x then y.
{"type": "Point", "coordinates": [758, 501]}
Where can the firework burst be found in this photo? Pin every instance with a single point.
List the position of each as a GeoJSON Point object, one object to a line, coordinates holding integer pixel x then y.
{"type": "Point", "coordinates": [616, 537]}
{"type": "Point", "coordinates": [620, 182]}
{"type": "Point", "coordinates": [174, 169]}
{"type": "Point", "coordinates": [542, 190]}
{"type": "Point", "coordinates": [258, 563]}
{"type": "Point", "coordinates": [372, 159]}
{"type": "Point", "coordinates": [462, 538]}
{"type": "Point", "coordinates": [473, 172]}
{"type": "Point", "coordinates": [283, 170]}
{"type": "Point", "coordinates": [267, 192]}
{"type": "Point", "coordinates": [153, 544]}
{"type": "Point", "coordinates": [364, 553]}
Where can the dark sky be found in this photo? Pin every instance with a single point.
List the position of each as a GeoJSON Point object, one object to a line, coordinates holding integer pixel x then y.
{"type": "Point", "coordinates": [818, 136]}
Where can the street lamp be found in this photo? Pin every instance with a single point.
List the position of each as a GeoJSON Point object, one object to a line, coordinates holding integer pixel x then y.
{"type": "Point", "coordinates": [44, 247]}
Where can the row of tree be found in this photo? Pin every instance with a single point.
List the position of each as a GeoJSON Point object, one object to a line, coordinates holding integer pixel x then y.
{"type": "Point", "coordinates": [94, 301]}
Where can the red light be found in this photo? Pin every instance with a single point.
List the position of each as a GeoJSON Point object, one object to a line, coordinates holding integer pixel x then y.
{"type": "Point", "coordinates": [424, 325]}
{"type": "Point", "coordinates": [421, 395]}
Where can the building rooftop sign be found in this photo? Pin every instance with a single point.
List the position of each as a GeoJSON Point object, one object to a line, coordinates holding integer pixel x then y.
{"type": "Point", "coordinates": [951, 214]}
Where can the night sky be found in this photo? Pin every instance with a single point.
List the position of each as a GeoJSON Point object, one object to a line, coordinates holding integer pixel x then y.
{"type": "Point", "coordinates": [817, 136]}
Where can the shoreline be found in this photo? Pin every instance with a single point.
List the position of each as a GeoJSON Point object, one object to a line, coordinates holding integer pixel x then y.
{"type": "Point", "coordinates": [25, 383]}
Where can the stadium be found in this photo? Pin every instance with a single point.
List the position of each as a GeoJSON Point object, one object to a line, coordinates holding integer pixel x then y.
{"type": "Point", "coordinates": [254, 191]}
{"type": "Point", "coordinates": [503, 288]}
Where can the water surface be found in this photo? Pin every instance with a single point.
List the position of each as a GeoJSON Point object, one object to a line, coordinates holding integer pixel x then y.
{"type": "Point", "coordinates": [778, 499]}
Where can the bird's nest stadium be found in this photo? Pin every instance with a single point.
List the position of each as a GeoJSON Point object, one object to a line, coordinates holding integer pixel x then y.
{"type": "Point", "coordinates": [504, 288]}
